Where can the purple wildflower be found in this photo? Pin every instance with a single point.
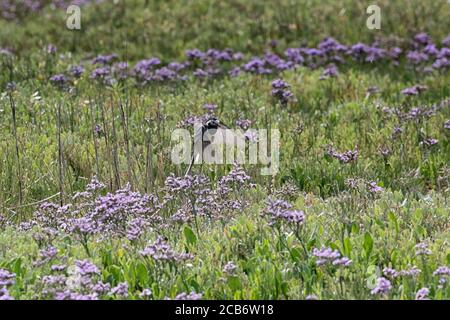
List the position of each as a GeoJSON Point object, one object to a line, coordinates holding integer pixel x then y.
{"type": "Point", "coordinates": [210, 107]}
{"type": "Point", "coordinates": [422, 294]}
{"type": "Point", "coordinates": [383, 286]}
{"type": "Point", "coordinates": [120, 290]}
{"type": "Point", "coordinates": [230, 268]}
{"type": "Point", "coordinates": [188, 296]}
{"type": "Point", "coordinates": [4, 294]}
{"type": "Point", "coordinates": [447, 124]}
{"type": "Point", "coordinates": [161, 251]}
{"type": "Point", "coordinates": [422, 249]}
{"type": "Point", "coordinates": [76, 71]}
{"type": "Point", "coordinates": [145, 293]}
{"type": "Point", "coordinates": [58, 80]}
{"type": "Point", "coordinates": [6, 278]}
{"type": "Point", "coordinates": [325, 255]}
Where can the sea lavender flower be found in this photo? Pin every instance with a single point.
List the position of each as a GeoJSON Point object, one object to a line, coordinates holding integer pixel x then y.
{"type": "Point", "coordinates": [76, 71]}
{"type": "Point", "coordinates": [6, 278]}
{"type": "Point", "coordinates": [447, 124]}
{"type": "Point", "coordinates": [422, 294]}
{"type": "Point", "coordinates": [210, 107]}
{"type": "Point", "coordinates": [329, 72]}
{"type": "Point", "coordinates": [145, 293]}
{"type": "Point", "coordinates": [294, 55]}
{"type": "Point", "coordinates": [422, 38]}
{"type": "Point", "coordinates": [244, 124]}
{"type": "Point", "coordinates": [188, 296]}
{"type": "Point", "coordinates": [390, 273]}
{"type": "Point", "coordinates": [135, 228]}
{"type": "Point", "coordinates": [422, 249]}
{"type": "Point", "coordinates": [416, 57]}
{"type": "Point", "coordinates": [101, 288]}
{"type": "Point", "coordinates": [95, 185]}
{"type": "Point", "coordinates": [85, 267]}
{"type": "Point", "coordinates": [442, 272]}
{"type": "Point", "coordinates": [411, 272]}
{"type": "Point", "coordinates": [383, 287]}
{"type": "Point", "coordinates": [104, 59]}
{"type": "Point", "coordinates": [256, 65]}
{"type": "Point", "coordinates": [161, 251]}
{"type": "Point", "coordinates": [230, 268]}
{"type": "Point", "coordinates": [280, 91]}
{"type": "Point", "coordinates": [4, 294]}
{"type": "Point", "coordinates": [58, 80]}
{"type": "Point", "coordinates": [345, 157]}
{"type": "Point", "coordinates": [164, 74]}
{"type": "Point", "coordinates": [373, 188]}
{"type": "Point", "coordinates": [194, 54]}
{"type": "Point", "coordinates": [325, 255]}
{"type": "Point", "coordinates": [45, 255]}
{"type": "Point", "coordinates": [234, 72]}
{"type": "Point", "coordinates": [121, 70]}
{"type": "Point", "coordinates": [58, 267]}
{"type": "Point", "coordinates": [200, 73]}
{"type": "Point", "coordinates": [120, 290]}
{"type": "Point", "coordinates": [311, 297]}
{"type": "Point", "coordinates": [344, 261]}
{"type": "Point", "coordinates": [100, 73]}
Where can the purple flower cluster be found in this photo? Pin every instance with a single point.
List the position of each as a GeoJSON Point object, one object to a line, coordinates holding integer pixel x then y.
{"type": "Point", "coordinates": [6, 278]}
{"type": "Point", "coordinates": [447, 125]}
{"type": "Point", "coordinates": [46, 255]}
{"type": "Point", "coordinates": [188, 296]}
{"type": "Point", "coordinates": [280, 91]}
{"type": "Point", "coordinates": [244, 124]}
{"type": "Point", "coordinates": [422, 294]}
{"type": "Point", "coordinates": [59, 80]}
{"type": "Point", "coordinates": [442, 272]}
{"type": "Point", "coordinates": [162, 251]}
{"type": "Point", "coordinates": [345, 157]}
{"type": "Point", "coordinates": [422, 249]}
{"type": "Point", "coordinates": [122, 213]}
{"type": "Point", "coordinates": [82, 282]}
{"type": "Point", "coordinates": [329, 256]}
{"type": "Point", "coordinates": [281, 210]}
{"type": "Point", "coordinates": [213, 62]}
{"type": "Point", "coordinates": [383, 287]}
{"type": "Point", "coordinates": [392, 273]}
{"type": "Point", "coordinates": [230, 268]}
{"type": "Point", "coordinates": [330, 71]}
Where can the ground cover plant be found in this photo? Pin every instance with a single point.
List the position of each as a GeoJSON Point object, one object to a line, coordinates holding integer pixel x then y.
{"type": "Point", "coordinates": [93, 207]}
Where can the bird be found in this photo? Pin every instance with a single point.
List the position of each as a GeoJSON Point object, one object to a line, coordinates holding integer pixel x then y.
{"type": "Point", "coordinates": [212, 131]}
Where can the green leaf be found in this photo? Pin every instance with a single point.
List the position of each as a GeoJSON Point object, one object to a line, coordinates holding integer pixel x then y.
{"type": "Point", "coordinates": [347, 247]}
{"type": "Point", "coordinates": [234, 283]}
{"type": "Point", "coordinates": [190, 236]}
{"type": "Point", "coordinates": [368, 244]}
{"type": "Point", "coordinates": [142, 274]}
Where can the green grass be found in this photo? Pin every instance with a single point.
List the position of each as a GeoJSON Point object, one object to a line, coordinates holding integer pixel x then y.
{"type": "Point", "coordinates": [374, 231]}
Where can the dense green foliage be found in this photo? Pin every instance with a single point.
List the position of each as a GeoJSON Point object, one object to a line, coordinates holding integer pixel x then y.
{"type": "Point", "coordinates": [273, 262]}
